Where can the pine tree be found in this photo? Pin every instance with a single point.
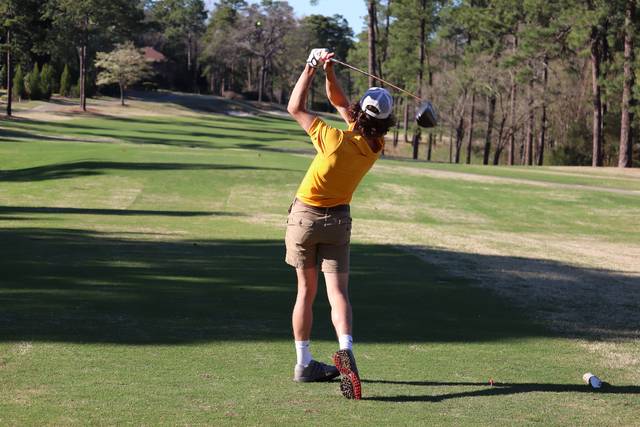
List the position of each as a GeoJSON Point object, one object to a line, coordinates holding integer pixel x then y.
{"type": "Point", "coordinates": [33, 83]}
{"type": "Point", "coordinates": [46, 78]}
{"type": "Point", "coordinates": [3, 75]}
{"type": "Point", "coordinates": [18, 84]}
{"type": "Point", "coordinates": [65, 82]}
{"type": "Point", "coordinates": [625, 156]}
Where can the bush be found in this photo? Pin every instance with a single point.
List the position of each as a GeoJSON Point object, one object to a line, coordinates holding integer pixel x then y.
{"type": "Point", "coordinates": [18, 84]}
{"type": "Point", "coordinates": [65, 82]}
{"type": "Point", "coordinates": [74, 91]}
{"type": "Point", "coordinates": [33, 84]}
{"type": "Point", "coordinates": [3, 75]}
{"type": "Point", "coordinates": [89, 87]}
{"type": "Point", "coordinates": [46, 81]}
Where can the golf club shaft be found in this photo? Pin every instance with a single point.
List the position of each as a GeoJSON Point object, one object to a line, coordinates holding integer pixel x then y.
{"type": "Point", "coordinates": [344, 64]}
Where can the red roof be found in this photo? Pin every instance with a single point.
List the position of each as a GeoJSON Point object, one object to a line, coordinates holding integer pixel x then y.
{"type": "Point", "coordinates": [150, 54]}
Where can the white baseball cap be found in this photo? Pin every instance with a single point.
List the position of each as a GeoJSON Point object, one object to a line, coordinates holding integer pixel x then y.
{"type": "Point", "coordinates": [377, 103]}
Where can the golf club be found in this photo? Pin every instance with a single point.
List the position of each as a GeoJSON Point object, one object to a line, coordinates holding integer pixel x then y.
{"type": "Point", "coordinates": [426, 115]}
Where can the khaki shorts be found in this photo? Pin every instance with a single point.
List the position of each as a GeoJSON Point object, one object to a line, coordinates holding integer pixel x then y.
{"type": "Point", "coordinates": [318, 236]}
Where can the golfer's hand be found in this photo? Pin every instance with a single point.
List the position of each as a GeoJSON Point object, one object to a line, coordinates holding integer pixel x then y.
{"type": "Point", "coordinates": [315, 57]}
{"type": "Point", "coordinates": [326, 60]}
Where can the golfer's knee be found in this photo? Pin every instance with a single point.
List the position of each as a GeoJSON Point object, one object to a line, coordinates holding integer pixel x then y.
{"type": "Point", "coordinates": [306, 294]}
{"type": "Point", "coordinates": [338, 296]}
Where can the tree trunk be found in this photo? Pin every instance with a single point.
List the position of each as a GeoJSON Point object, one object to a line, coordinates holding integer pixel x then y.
{"type": "Point", "coordinates": [625, 158]}
{"type": "Point", "coordinates": [487, 139]}
{"type": "Point", "coordinates": [189, 52]}
{"type": "Point", "coordinates": [9, 75]}
{"type": "Point", "coordinates": [459, 137]}
{"type": "Point", "coordinates": [385, 48]}
{"type": "Point", "coordinates": [471, 119]}
{"type": "Point", "coordinates": [372, 40]}
{"type": "Point", "coordinates": [417, 136]}
{"type": "Point", "coordinates": [512, 112]}
{"type": "Point", "coordinates": [451, 136]}
{"type": "Point", "coordinates": [500, 145]}
{"type": "Point", "coordinates": [396, 128]}
{"type": "Point", "coordinates": [430, 146]}
{"type": "Point", "coordinates": [261, 79]}
{"type": "Point", "coordinates": [122, 95]}
{"type": "Point", "coordinates": [83, 77]}
{"type": "Point", "coordinates": [405, 124]}
{"type": "Point", "coordinates": [528, 149]}
{"type": "Point", "coordinates": [597, 98]}
{"type": "Point", "coordinates": [543, 125]}
{"type": "Point", "coordinates": [396, 132]}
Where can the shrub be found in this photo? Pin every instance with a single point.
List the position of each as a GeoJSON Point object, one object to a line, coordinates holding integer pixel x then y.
{"type": "Point", "coordinates": [46, 81]}
{"type": "Point", "coordinates": [65, 82]}
{"type": "Point", "coordinates": [32, 81]}
{"type": "Point", "coordinates": [74, 91]}
{"type": "Point", "coordinates": [18, 84]}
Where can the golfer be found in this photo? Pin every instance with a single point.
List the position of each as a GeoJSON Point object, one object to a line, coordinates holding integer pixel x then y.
{"type": "Point", "coordinates": [319, 221]}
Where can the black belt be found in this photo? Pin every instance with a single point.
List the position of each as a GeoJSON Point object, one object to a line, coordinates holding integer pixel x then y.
{"type": "Point", "coordinates": [322, 210]}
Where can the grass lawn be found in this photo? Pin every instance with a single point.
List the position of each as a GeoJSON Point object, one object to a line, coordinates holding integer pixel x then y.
{"type": "Point", "coordinates": [143, 281]}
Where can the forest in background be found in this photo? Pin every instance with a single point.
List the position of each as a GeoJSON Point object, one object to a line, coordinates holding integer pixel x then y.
{"type": "Point", "coordinates": [519, 82]}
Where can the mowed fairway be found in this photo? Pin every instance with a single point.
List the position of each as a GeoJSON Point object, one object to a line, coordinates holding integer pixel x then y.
{"type": "Point", "coordinates": [143, 282]}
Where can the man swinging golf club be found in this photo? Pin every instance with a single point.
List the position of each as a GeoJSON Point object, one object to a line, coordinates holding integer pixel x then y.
{"type": "Point", "coordinates": [319, 222]}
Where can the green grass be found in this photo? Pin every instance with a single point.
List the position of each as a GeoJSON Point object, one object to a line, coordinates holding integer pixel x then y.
{"type": "Point", "coordinates": [143, 282]}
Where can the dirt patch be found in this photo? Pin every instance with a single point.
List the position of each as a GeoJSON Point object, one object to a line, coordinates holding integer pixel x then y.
{"type": "Point", "coordinates": [63, 109]}
{"type": "Point", "coordinates": [464, 176]}
{"type": "Point", "coordinates": [24, 397]}
{"type": "Point", "coordinates": [610, 171]}
{"type": "Point", "coordinates": [269, 220]}
{"type": "Point", "coordinates": [397, 190]}
{"type": "Point", "coordinates": [616, 355]}
{"type": "Point", "coordinates": [23, 348]}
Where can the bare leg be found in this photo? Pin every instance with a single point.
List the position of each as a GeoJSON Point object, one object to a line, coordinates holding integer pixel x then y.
{"type": "Point", "coordinates": [302, 317]}
{"type": "Point", "coordinates": [338, 293]}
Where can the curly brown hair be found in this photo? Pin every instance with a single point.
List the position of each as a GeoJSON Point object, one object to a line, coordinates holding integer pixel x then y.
{"type": "Point", "coordinates": [369, 127]}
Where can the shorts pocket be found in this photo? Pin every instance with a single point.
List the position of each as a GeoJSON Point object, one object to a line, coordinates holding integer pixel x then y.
{"type": "Point", "coordinates": [338, 231]}
{"type": "Point", "coordinates": [300, 230]}
{"type": "Point", "coordinates": [300, 221]}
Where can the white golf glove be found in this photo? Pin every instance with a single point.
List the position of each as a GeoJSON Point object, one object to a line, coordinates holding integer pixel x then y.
{"type": "Point", "coordinates": [315, 55]}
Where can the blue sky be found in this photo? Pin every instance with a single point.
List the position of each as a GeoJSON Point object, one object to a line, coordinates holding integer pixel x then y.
{"type": "Point", "coordinates": [352, 10]}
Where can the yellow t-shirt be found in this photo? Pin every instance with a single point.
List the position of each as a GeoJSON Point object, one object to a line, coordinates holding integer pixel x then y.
{"type": "Point", "coordinates": [343, 159]}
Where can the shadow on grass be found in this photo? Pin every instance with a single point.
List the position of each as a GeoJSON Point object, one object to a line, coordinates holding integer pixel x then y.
{"type": "Point", "coordinates": [245, 138]}
{"type": "Point", "coordinates": [92, 168]}
{"type": "Point", "coordinates": [498, 389]}
{"type": "Point", "coordinates": [4, 210]}
{"type": "Point", "coordinates": [81, 286]}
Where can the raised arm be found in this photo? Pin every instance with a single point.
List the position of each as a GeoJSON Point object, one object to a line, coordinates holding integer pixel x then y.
{"type": "Point", "coordinates": [336, 96]}
{"type": "Point", "coordinates": [298, 100]}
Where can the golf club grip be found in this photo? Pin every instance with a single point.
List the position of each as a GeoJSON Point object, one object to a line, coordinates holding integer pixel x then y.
{"type": "Point", "coordinates": [344, 64]}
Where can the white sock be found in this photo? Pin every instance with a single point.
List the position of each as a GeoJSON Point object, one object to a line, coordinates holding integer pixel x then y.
{"type": "Point", "coordinates": [346, 342]}
{"type": "Point", "coordinates": [303, 353]}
